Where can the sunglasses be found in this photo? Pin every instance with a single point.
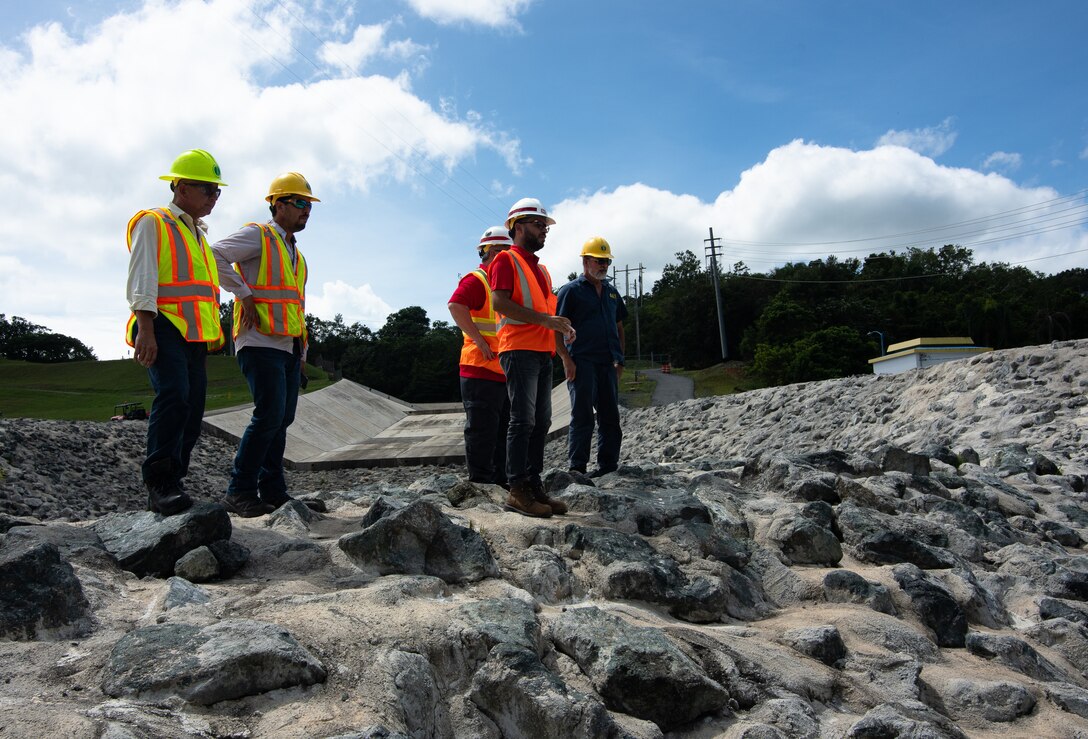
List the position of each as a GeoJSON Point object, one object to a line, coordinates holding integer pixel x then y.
{"type": "Point", "coordinates": [300, 203]}
{"type": "Point", "coordinates": [542, 225]}
{"type": "Point", "coordinates": [598, 260]}
{"type": "Point", "coordinates": [207, 188]}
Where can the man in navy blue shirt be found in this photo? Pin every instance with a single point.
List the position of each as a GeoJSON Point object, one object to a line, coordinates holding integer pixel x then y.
{"type": "Point", "coordinates": [594, 363]}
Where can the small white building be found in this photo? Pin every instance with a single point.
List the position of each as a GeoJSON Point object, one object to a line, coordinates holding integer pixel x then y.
{"type": "Point", "coordinates": [926, 352]}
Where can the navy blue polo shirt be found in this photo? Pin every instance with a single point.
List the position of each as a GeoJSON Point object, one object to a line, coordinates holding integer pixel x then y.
{"type": "Point", "coordinates": [594, 319]}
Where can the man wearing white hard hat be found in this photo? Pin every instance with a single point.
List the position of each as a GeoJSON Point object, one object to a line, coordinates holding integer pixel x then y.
{"type": "Point", "coordinates": [269, 285]}
{"type": "Point", "coordinates": [483, 383]}
{"type": "Point", "coordinates": [522, 294]}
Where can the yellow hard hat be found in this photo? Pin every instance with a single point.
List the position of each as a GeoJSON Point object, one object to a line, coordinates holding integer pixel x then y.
{"type": "Point", "coordinates": [290, 183]}
{"type": "Point", "coordinates": [195, 164]}
{"type": "Point", "coordinates": [597, 247]}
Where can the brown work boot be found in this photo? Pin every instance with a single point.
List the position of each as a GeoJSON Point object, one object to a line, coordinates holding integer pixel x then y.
{"type": "Point", "coordinates": [558, 507]}
{"type": "Point", "coordinates": [521, 500]}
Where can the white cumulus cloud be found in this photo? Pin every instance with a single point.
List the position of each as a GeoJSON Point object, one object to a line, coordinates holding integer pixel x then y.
{"type": "Point", "coordinates": [493, 13]}
{"type": "Point", "coordinates": [931, 141]}
{"type": "Point", "coordinates": [1003, 161]}
{"type": "Point", "coordinates": [91, 119]}
{"type": "Point", "coordinates": [806, 201]}
{"type": "Point", "coordinates": [357, 304]}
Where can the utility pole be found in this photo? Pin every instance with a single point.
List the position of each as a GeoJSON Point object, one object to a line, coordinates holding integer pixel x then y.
{"type": "Point", "coordinates": [627, 270]}
{"type": "Point", "coordinates": [713, 257]}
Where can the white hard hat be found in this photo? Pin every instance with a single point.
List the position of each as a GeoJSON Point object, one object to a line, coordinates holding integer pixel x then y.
{"type": "Point", "coordinates": [494, 236]}
{"type": "Point", "coordinates": [527, 207]}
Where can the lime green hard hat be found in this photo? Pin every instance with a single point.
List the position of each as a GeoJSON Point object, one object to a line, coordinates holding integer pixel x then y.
{"type": "Point", "coordinates": [195, 164]}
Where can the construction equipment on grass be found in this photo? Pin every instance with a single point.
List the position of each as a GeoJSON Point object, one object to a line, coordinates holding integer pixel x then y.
{"type": "Point", "coordinates": [133, 411]}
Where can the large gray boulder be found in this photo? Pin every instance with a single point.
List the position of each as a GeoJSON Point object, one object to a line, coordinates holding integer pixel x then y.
{"type": "Point", "coordinates": [904, 719]}
{"type": "Point", "coordinates": [420, 540]}
{"type": "Point", "coordinates": [1015, 654]}
{"type": "Point", "coordinates": [147, 543]}
{"type": "Point", "coordinates": [524, 699]}
{"type": "Point", "coordinates": [227, 660]}
{"type": "Point", "coordinates": [637, 670]}
{"type": "Point", "coordinates": [933, 605]}
{"type": "Point", "coordinates": [40, 595]}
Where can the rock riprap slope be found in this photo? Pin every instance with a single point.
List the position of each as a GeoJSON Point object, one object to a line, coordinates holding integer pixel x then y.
{"type": "Point", "coordinates": [865, 557]}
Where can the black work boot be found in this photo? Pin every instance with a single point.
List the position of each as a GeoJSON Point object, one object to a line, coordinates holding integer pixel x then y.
{"type": "Point", "coordinates": [247, 505]}
{"type": "Point", "coordinates": [317, 506]}
{"type": "Point", "coordinates": [164, 492]}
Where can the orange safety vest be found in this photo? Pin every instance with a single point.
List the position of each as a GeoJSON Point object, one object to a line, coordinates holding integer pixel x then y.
{"type": "Point", "coordinates": [188, 281]}
{"type": "Point", "coordinates": [485, 320]}
{"type": "Point", "coordinates": [278, 291]}
{"type": "Point", "coordinates": [514, 334]}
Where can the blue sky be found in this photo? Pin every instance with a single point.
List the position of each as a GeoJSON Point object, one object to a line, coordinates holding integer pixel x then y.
{"type": "Point", "coordinates": [795, 129]}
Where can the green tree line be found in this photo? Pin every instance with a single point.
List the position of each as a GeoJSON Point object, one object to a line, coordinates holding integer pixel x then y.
{"type": "Point", "coordinates": [812, 321]}
{"type": "Point", "coordinates": [22, 340]}
{"type": "Point", "coordinates": [797, 322]}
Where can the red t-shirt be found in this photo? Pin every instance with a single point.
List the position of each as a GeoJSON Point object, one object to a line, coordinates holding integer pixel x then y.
{"type": "Point", "coordinates": [501, 273]}
{"type": "Point", "coordinates": [471, 294]}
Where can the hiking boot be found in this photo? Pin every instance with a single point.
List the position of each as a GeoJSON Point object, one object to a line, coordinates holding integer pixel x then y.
{"type": "Point", "coordinates": [558, 507]}
{"type": "Point", "coordinates": [164, 492]}
{"type": "Point", "coordinates": [247, 506]}
{"type": "Point", "coordinates": [601, 472]}
{"type": "Point", "coordinates": [521, 500]}
{"type": "Point", "coordinates": [318, 506]}
{"type": "Point", "coordinates": [168, 499]}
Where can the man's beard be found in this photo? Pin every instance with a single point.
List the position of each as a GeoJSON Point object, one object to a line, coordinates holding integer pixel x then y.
{"type": "Point", "coordinates": [531, 242]}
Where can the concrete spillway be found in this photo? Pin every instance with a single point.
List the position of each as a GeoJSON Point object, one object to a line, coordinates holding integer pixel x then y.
{"type": "Point", "coordinates": [349, 425]}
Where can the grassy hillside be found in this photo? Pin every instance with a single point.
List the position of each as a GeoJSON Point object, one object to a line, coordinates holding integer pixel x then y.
{"type": "Point", "coordinates": [87, 391]}
{"type": "Point", "coordinates": [722, 379]}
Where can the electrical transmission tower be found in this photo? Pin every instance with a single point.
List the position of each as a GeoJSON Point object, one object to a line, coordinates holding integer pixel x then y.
{"type": "Point", "coordinates": [712, 257]}
{"type": "Point", "coordinates": [627, 270]}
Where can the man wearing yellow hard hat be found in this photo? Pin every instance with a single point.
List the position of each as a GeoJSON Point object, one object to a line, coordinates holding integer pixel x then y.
{"type": "Point", "coordinates": [594, 364]}
{"type": "Point", "coordinates": [173, 292]}
{"type": "Point", "coordinates": [264, 269]}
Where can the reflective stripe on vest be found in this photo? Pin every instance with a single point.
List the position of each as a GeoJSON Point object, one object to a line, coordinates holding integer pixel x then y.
{"type": "Point", "coordinates": [527, 292]}
{"type": "Point", "coordinates": [188, 292]}
{"type": "Point", "coordinates": [484, 320]}
{"type": "Point", "coordinates": [279, 290]}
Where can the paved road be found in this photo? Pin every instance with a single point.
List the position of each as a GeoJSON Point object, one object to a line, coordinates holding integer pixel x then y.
{"type": "Point", "coordinates": [670, 388]}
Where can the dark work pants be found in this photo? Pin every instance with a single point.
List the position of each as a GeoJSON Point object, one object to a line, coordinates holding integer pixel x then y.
{"type": "Point", "coordinates": [179, 377]}
{"type": "Point", "coordinates": [529, 385]}
{"type": "Point", "coordinates": [487, 418]}
{"type": "Point", "coordinates": [594, 387]}
{"type": "Point", "coordinates": [273, 378]}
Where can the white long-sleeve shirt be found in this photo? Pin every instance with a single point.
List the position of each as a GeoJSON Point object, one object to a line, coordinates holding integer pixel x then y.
{"type": "Point", "coordinates": [244, 247]}
{"type": "Point", "coordinates": [142, 288]}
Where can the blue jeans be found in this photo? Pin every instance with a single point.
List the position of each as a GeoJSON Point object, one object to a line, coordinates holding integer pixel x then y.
{"type": "Point", "coordinates": [180, 379]}
{"type": "Point", "coordinates": [529, 385]}
{"type": "Point", "coordinates": [273, 378]}
{"type": "Point", "coordinates": [594, 387]}
{"type": "Point", "coordinates": [487, 418]}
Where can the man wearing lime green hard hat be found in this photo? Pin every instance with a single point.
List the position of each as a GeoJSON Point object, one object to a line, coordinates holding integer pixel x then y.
{"type": "Point", "coordinates": [173, 292]}
{"type": "Point", "coordinates": [262, 265]}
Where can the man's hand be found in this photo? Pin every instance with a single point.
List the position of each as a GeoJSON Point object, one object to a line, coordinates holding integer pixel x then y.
{"type": "Point", "coordinates": [619, 371]}
{"type": "Point", "coordinates": [570, 370]}
{"type": "Point", "coordinates": [249, 312]}
{"type": "Point", "coordinates": [485, 350]}
{"type": "Point", "coordinates": [147, 349]}
{"type": "Point", "coordinates": [561, 325]}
